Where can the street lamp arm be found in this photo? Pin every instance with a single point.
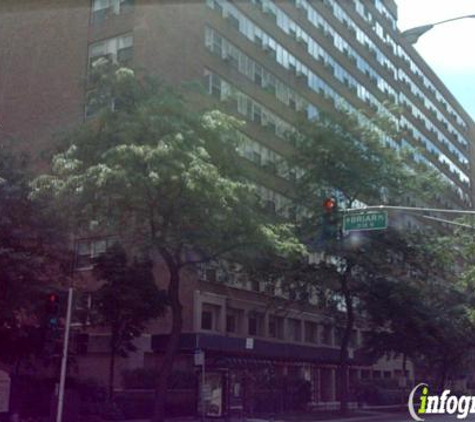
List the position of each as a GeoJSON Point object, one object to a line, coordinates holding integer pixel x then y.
{"type": "Point", "coordinates": [454, 19]}
{"type": "Point", "coordinates": [453, 223]}
{"type": "Point", "coordinates": [412, 35]}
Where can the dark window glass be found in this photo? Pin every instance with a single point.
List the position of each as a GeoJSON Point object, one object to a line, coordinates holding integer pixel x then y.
{"type": "Point", "coordinates": [252, 326]}
{"type": "Point", "coordinates": [206, 320]}
{"type": "Point", "coordinates": [231, 323]}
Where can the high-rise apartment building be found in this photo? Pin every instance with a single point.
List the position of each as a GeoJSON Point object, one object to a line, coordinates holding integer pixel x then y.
{"type": "Point", "coordinates": [264, 61]}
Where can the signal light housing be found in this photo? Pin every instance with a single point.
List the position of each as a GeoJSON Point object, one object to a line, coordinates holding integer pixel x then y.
{"type": "Point", "coordinates": [330, 205]}
{"type": "Point", "coordinates": [331, 220]}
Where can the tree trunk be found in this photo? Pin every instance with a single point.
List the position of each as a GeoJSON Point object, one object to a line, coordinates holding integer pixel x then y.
{"type": "Point", "coordinates": [345, 341]}
{"type": "Point", "coordinates": [173, 342]}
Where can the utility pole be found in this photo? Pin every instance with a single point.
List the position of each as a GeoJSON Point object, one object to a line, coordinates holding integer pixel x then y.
{"type": "Point", "coordinates": [64, 360]}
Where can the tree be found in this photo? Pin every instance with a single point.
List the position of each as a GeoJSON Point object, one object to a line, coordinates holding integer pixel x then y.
{"type": "Point", "coordinates": [427, 320]}
{"type": "Point", "coordinates": [127, 300]}
{"type": "Point", "coordinates": [345, 157]}
{"type": "Point", "coordinates": [167, 178]}
{"type": "Point", "coordinates": [31, 257]}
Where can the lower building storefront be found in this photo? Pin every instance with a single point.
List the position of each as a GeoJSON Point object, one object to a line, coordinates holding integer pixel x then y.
{"type": "Point", "coordinates": [240, 381]}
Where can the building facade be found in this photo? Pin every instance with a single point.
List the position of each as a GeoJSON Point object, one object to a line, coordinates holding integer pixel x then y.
{"type": "Point", "coordinates": [268, 62]}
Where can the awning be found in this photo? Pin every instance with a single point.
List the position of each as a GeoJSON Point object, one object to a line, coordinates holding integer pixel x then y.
{"type": "Point", "coordinates": [243, 363]}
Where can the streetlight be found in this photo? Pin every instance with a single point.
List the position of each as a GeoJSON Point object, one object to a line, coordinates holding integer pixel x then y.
{"type": "Point", "coordinates": [412, 35]}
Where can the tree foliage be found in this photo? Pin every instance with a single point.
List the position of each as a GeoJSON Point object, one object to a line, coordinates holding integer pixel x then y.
{"type": "Point", "coordinates": [352, 159]}
{"type": "Point", "coordinates": [31, 259]}
{"type": "Point", "coordinates": [128, 299]}
{"type": "Point", "coordinates": [164, 176]}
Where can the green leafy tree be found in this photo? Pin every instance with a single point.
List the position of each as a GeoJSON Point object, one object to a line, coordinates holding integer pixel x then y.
{"type": "Point", "coordinates": [166, 177]}
{"type": "Point", "coordinates": [346, 158]}
{"type": "Point", "coordinates": [429, 321]}
{"type": "Point", "coordinates": [31, 257]}
{"type": "Point", "coordinates": [128, 299]}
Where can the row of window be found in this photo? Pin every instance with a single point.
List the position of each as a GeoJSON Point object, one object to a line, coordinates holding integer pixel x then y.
{"type": "Point", "coordinates": [430, 86]}
{"type": "Point", "coordinates": [399, 51]}
{"type": "Point", "coordinates": [105, 9]}
{"type": "Point", "coordinates": [259, 114]}
{"type": "Point", "coordinates": [434, 150]}
{"type": "Point", "coordinates": [246, 106]}
{"type": "Point", "coordinates": [101, 9]}
{"type": "Point", "coordinates": [268, 6]}
{"type": "Point", "coordinates": [87, 250]}
{"type": "Point", "coordinates": [264, 157]}
{"type": "Point", "coordinates": [259, 324]}
{"type": "Point", "coordinates": [341, 15]}
{"type": "Point", "coordinates": [291, 63]}
{"type": "Point", "coordinates": [429, 105]}
{"type": "Point", "coordinates": [220, 46]}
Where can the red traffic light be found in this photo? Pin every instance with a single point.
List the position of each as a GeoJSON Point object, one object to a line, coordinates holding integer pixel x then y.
{"type": "Point", "coordinates": [330, 204]}
{"type": "Point", "coordinates": [53, 298]}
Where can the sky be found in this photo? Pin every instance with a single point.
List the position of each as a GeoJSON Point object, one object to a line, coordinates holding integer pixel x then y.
{"type": "Point", "coordinates": [448, 48]}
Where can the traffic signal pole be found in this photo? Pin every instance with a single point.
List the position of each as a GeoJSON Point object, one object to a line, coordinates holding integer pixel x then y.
{"type": "Point", "coordinates": [414, 209]}
{"type": "Point", "coordinates": [64, 360]}
{"type": "Point", "coordinates": [417, 210]}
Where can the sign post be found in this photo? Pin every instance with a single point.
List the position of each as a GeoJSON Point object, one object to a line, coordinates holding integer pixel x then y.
{"type": "Point", "coordinates": [365, 221]}
{"type": "Point", "coordinates": [64, 360]}
{"type": "Point", "coordinates": [199, 360]}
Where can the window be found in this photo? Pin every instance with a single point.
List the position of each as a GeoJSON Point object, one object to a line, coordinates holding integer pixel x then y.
{"type": "Point", "coordinates": [365, 374]}
{"type": "Point", "coordinates": [206, 320]}
{"type": "Point", "coordinates": [89, 249]}
{"type": "Point", "coordinates": [255, 324]}
{"type": "Point", "coordinates": [376, 374]}
{"type": "Point", "coordinates": [311, 332]}
{"type": "Point", "coordinates": [230, 323]}
{"type": "Point", "coordinates": [233, 320]}
{"type": "Point", "coordinates": [117, 50]}
{"type": "Point", "coordinates": [295, 329]}
{"type": "Point", "coordinates": [326, 335]}
{"type": "Point", "coordinates": [276, 327]}
{"type": "Point", "coordinates": [106, 9]}
{"type": "Point", "coordinates": [209, 316]}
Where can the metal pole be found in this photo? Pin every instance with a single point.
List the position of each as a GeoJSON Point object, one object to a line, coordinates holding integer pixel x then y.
{"type": "Point", "coordinates": [443, 220]}
{"type": "Point", "coordinates": [64, 361]}
{"type": "Point", "coordinates": [203, 413]}
{"type": "Point", "coordinates": [413, 209]}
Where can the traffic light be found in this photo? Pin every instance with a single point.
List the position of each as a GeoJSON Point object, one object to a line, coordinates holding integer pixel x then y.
{"type": "Point", "coordinates": [52, 311]}
{"type": "Point", "coordinates": [331, 219]}
{"type": "Point", "coordinates": [51, 326]}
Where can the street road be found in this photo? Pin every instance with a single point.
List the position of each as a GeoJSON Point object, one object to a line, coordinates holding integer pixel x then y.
{"type": "Point", "coordinates": [407, 418]}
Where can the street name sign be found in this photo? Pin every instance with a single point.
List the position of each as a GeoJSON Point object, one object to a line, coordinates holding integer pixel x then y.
{"type": "Point", "coordinates": [199, 357]}
{"type": "Point", "coordinates": [364, 221]}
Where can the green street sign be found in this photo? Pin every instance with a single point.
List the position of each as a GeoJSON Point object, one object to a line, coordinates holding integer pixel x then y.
{"type": "Point", "coordinates": [365, 221]}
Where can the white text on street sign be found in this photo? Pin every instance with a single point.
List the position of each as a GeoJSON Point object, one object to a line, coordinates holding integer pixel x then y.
{"type": "Point", "coordinates": [365, 221]}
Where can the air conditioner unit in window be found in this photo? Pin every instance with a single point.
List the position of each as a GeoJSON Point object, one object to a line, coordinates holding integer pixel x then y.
{"type": "Point", "coordinates": [266, 48]}
{"type": "Point", "coordinates": [300, 75]}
